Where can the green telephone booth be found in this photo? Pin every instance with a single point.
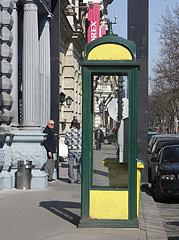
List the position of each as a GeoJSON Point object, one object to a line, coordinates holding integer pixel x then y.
{"type": "Point", "coordinates": [109, 177]}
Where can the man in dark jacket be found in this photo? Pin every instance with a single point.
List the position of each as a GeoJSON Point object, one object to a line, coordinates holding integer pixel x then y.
{"type": "Point", "coordinates": [99, 137]}
{"type": "Point", "coordinates": [50, 146]}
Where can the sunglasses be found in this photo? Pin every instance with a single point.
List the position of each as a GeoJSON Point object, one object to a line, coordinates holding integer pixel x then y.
{"type": "Point", "coordinates": [52, 124]}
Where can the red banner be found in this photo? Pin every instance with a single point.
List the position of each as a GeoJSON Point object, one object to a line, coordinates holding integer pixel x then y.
{"type": "Point", "coordinates": [94, 21]}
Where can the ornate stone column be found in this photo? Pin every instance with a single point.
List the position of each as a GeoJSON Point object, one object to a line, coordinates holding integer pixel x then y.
{"type": "Point", "coordinates": [27, 142]}
{"type": "Point", "coordinates": [14, 63]}
{"type": "Point", "coordinates": [30, 66]}
{"type": "Point", "coordinates": [44, 70]}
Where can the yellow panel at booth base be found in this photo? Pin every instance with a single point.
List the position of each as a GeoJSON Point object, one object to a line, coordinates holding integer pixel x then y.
{"type": "Point", "coordinates": [108, 204]}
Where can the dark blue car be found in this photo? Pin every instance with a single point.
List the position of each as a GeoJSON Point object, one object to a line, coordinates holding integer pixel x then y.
{"type": "Point", "coordinates": [166, 182]}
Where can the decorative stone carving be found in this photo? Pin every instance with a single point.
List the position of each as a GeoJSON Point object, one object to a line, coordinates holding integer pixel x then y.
{"type": "Point", "coordinates": [2, 157]}
{"type": "Point", "coordinates": [7, 36]}
{"type": "Point", "coordinates": [14, 62]}
{"type": "Point", "coordinates": [34, 154]}
{"type": "Point", "coordinates": [7, 100]}
{"type": "Point", "coordinates": [6, 159]}
{"type": "Point", "coordinates": [5, 117]}
{"type": "Point", "coordinates": [6, 56]}
{"type": "Point", "coordinates": [6, 84]}
{"type": "Point", "coordinates": [27, 145]}
{"type": "Point", "coordinates": [6, 68]}
{"type": "Point", "coordinates": [8, 5]}
{"type": "Point", "coordinates": [70, 10]}
{"type": "Point", "coordinates": [7, 19]}
{"type": "Point", "coordinates": [7, 156]}
{"type": "Point", "coordinates": [6, 52]}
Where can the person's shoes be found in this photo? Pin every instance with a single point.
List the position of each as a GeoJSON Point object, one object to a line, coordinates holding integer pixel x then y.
{"type": "Point", "coordinates": [78, 182]}
{"type": "Point", "coordinates": [70, 182]}
{"type": "Point", "coordinates": [51, 180]}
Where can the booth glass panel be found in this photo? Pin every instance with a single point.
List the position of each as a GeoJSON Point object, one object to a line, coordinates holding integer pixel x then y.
{"type": "Point", "coordinates": [110, 101]}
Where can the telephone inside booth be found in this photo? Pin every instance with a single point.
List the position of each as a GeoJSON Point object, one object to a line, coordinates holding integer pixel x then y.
{"type": "Point", "coordinates": [109, 134]}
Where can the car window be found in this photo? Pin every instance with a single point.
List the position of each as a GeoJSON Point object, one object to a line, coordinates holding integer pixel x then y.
{"type": "Point", "coordinates": [164, 143]}
{"type": "Point", "coordinates": [159, 145]}
{"type": "Point", "coordinates": [171, 155]}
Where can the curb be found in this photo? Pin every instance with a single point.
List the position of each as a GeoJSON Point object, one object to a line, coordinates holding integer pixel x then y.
{"type": "Point", "coordinates": [151, 222]}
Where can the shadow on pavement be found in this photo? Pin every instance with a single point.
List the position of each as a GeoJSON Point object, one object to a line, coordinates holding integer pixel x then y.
{"type": "Point", "coordinates": [173, 238]}
{"type": "Point", "coordinates": [60, 208]}
{"type": "Point", "coordinates": [63, 179]}
{"type": "Point", "coordinates": [170, 200]}
{"type": "Point", "coordinates": [145, 188]}
{"type": "Point", "coordinates": [100, 173]}
{"type": "Point", "coordinates": [173, 223]}
{"type": "Point", "coordinates": [64, 165]}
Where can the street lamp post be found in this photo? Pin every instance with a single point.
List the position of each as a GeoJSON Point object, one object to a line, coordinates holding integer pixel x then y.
{"type": "Point", "coordinates": [120, 93]}
{"type": "Point", "coordinates": [101, 109]}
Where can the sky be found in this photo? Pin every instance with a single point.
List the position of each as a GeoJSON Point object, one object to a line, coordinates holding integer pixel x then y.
{"type": "Point", "coordinates": [157, 8]}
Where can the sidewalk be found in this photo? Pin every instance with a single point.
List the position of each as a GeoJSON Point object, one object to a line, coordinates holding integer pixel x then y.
{"type": "Point", "coordinates": [150, 220]}
{"type": "Point", "coordinates": [53, 214]}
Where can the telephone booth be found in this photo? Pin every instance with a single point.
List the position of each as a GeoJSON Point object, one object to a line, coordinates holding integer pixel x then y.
{"type": "Point", "coordinates": [109, 176]}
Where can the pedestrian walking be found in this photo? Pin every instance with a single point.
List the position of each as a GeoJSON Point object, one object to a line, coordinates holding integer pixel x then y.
{"type": "Point", "coordinates": [73, 139]}
{"type": "Point", "coordinates": [99, 137]}
{"type": "Point", "coordinates": [50, 146]}
{"type": "Point", "coordinates": [78, 124]}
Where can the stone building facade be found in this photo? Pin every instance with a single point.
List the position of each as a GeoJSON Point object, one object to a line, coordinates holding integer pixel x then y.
{"type": "Point", "coordinates": [73, 37]}
{"type": "Point", "coordinates": [24, 87]}
{"type": "Point", "coordinates": [42, 44]}
{"type": "Point", "coordinates": [72, 41]}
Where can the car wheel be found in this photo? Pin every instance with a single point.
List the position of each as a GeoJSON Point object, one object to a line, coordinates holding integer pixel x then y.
{"type": "Point", "coordinates": [156, 191]}
{"type": "Point", "coordinates": [106, 141]}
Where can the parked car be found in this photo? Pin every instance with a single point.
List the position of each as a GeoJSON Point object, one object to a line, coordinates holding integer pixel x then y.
{"type": "Point", "coordinates": [150, 134]}
{"type": "Point", "coordinates": [159, 143]}
{"type": "Point", "coordinates": [158, 136]}
{"type": "Point", "coordinates": [166, 182]}
{"type": "Point", "coordinates": [111, 138]}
